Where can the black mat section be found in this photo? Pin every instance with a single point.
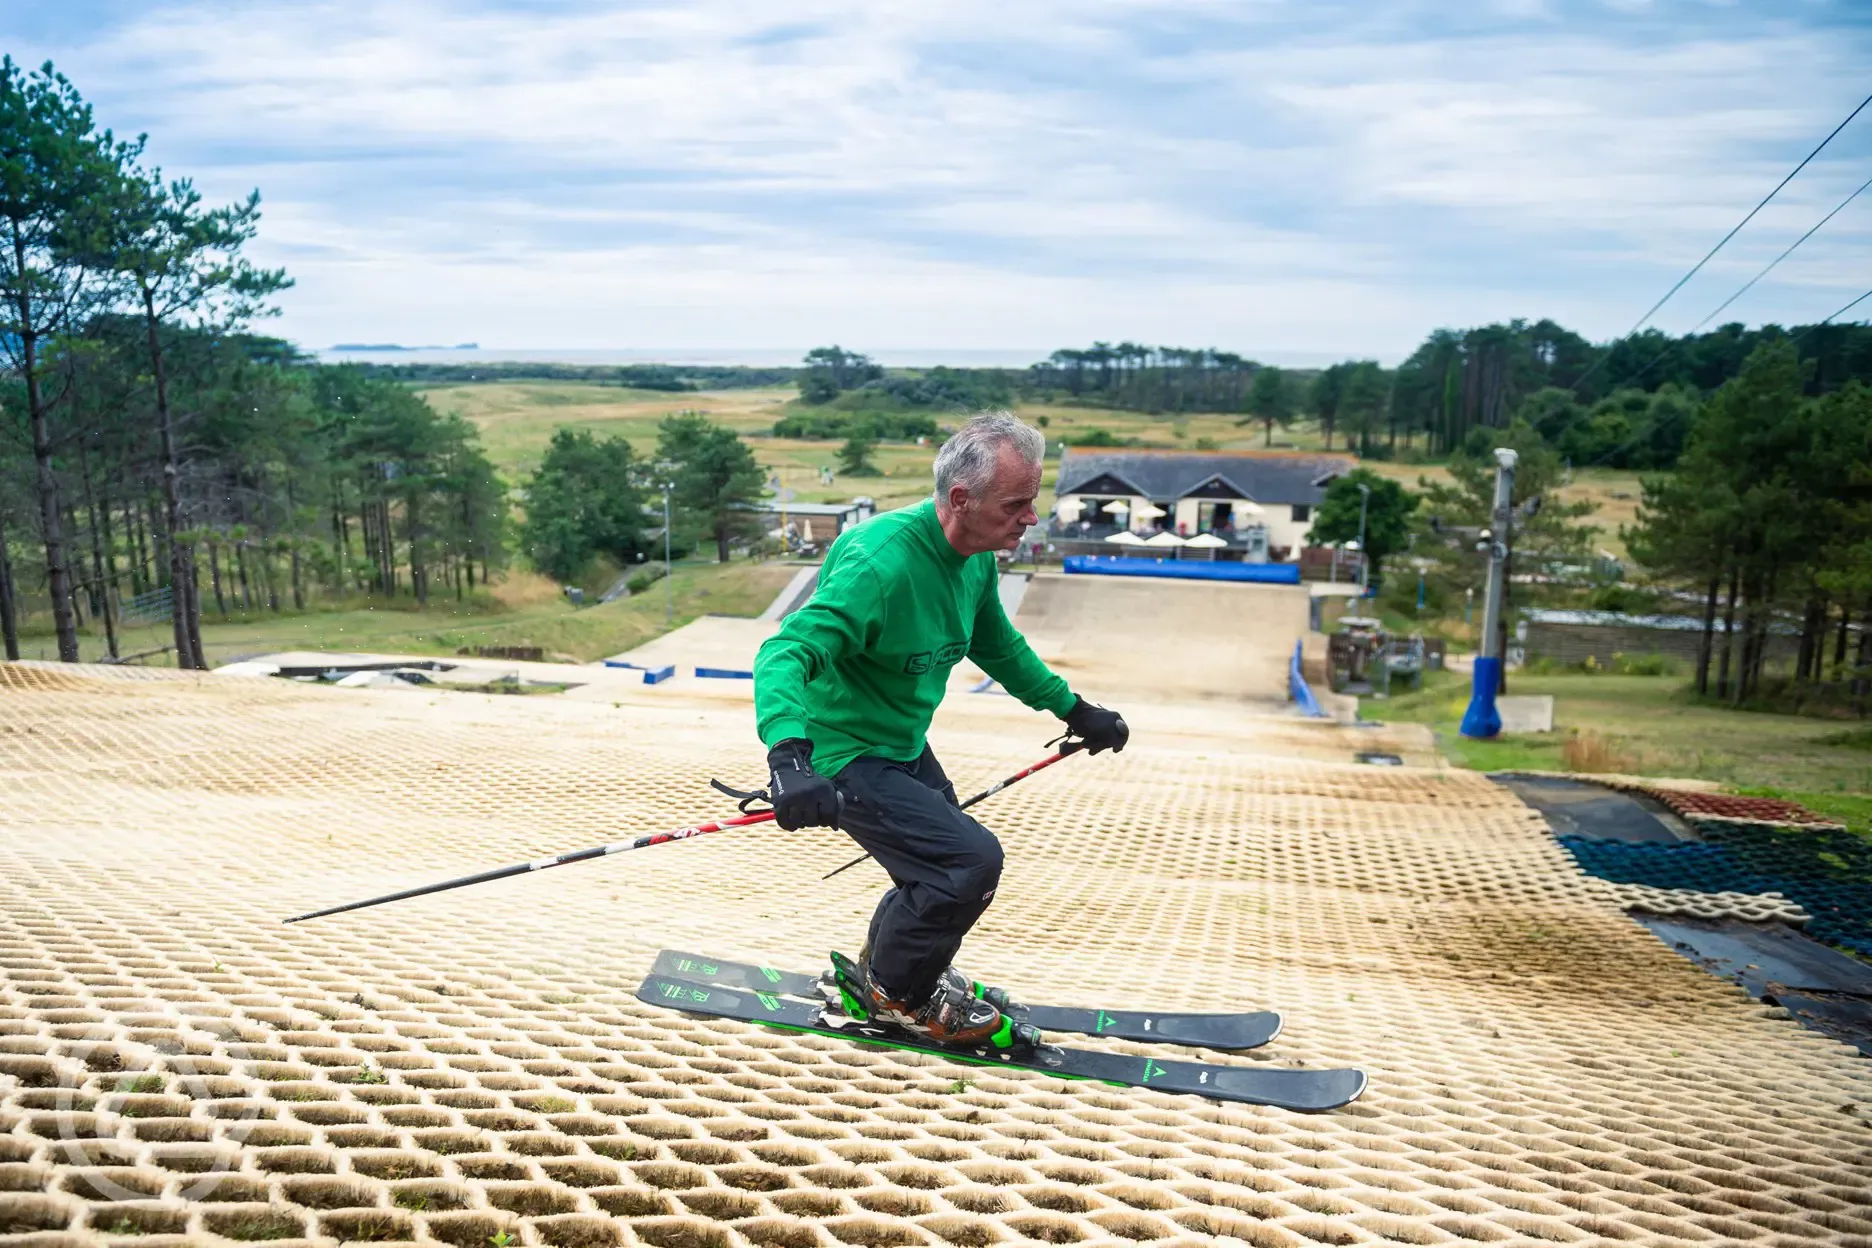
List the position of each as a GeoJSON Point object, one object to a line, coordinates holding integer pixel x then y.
{"type": "Point", "coordinates": [1581, 808]}
{"type": "Point", "coordinates": [1824, 988]}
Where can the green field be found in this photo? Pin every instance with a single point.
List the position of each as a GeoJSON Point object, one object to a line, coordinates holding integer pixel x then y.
{"type": "Point", "coordinates": [517, 419]}
{"type": "Point", "coordinates": [1642, 725]}
{"type": "Point", "coordinates": [525, 610]}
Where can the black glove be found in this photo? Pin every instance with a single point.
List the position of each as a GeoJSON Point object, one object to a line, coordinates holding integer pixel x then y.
{"type": "Point", "coordinates": [1099, 728]}
{"type": "Point", "coordinates": [802, 798]}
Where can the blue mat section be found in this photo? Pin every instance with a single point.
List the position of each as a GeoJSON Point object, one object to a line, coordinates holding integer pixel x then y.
{"type": "Point", "coordinates": [1827, 873]}
{"type": "Point", "coordinates": [1184, 569]}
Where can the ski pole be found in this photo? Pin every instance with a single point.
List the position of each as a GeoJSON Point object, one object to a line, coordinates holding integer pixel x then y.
{"type": "Point", "coordinates": [1069, 747]}
{"type": "Point", "coordinates": [540, 864]}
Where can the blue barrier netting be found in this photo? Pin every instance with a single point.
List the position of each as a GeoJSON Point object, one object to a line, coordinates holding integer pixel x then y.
{"type": "Point", "coordinates": [1184, 569]}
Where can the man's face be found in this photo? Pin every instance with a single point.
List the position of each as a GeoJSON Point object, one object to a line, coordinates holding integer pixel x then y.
{"type": "Point", "coordinates": [994, 517]}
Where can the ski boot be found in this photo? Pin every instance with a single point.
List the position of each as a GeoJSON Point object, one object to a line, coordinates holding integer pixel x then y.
{"type": "Point", "coordinates": [951, 1016]}
{"type": "Point", "coordinates": [997, 997]}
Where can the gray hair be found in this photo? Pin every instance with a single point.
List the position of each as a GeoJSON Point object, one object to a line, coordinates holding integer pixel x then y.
{"type": "Point", "coordinates": [968, 458]}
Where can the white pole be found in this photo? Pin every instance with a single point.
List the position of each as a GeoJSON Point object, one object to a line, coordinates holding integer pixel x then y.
{"type": "Point", "coordinates": [1498, 552]}
{"type": "Point", "coordinates": [669, 586]}
{"type": "Point", "coordinates": [1364, 556]}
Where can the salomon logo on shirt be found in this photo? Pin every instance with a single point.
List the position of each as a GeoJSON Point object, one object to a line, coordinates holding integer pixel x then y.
{"type": "Point", "coordinates": [929, 660]}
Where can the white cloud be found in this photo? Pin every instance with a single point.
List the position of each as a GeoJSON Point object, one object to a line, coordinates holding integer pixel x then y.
{"type": "Point", "coordinates": [1264, 178]}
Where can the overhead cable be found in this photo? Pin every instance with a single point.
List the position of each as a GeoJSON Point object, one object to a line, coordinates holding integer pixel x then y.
{"type": "Point", "coordinates": [1697, 267]}
{"type": "Point", "coordinates": [1750, 217]}
{"type": "Point", "coordinates": [1778, 259]}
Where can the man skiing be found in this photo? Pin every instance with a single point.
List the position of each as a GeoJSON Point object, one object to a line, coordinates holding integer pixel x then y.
{"type": "Point", "coordinates": [844, 694]}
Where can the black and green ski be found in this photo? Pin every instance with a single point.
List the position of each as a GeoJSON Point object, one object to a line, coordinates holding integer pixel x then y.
{"type": "Point", "coordinates": [1209, 1031]}
{"type": "Point", "coordinates": [1307, 1090]}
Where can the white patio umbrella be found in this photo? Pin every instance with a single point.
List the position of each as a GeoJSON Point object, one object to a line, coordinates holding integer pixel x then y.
{"type": "Point", "coordinates": [1119, 506]}
{"type": "Point", "coordinates": [1126, 538]}
{"type": "Point", "coordinates": [1248, 508]}
{"type": "Point", "coordinates": [1206, 541]}
{"type": "Point", "coordinates": [1149, 511]}
{"type": "Point", "coordinates": [1068, 509]}
{"type": "Point", "coordinates": [1164, 540]}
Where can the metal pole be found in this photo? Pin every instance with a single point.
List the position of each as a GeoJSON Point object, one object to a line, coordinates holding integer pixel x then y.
{"type": "Point", "coordinates": [1482, 720]}
{"type": "Point", "coordinates": [1364, 556]}
{"type": "Point", "coordinates": [1498, 552]}
{"type": "Point", "coordinates": [669, 588]}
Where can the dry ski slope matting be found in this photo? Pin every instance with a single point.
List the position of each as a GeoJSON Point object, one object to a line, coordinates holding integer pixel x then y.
{"type": "Point", "coordinates": [177, 1067]}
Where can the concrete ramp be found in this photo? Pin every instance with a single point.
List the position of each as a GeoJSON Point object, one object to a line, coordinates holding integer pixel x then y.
{"type": "Point", "coordinates": [717, 642]}
{"type": "Point", "coordinates": [1171, 640]}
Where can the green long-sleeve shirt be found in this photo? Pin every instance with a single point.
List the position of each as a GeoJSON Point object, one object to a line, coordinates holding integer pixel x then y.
{"type": "Point", "coordinates": [860, 669]}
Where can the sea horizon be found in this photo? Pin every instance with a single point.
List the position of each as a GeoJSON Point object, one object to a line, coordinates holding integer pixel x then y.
{"type": "Point", "coordinates": [750, 357]}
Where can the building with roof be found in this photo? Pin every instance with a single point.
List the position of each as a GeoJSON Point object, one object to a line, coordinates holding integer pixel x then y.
{"type": "Point", "coordinates": [811, 523]}
{"type": "Point", "coordinates": [1260, 502]}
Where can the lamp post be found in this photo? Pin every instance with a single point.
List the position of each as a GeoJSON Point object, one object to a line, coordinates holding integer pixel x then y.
{"type": "Point", "coordinates": [1482, 720]}
{"type": "Point", "coordinates": [669, 588]}
{"type": "Point", "coordinates": [1364, 559]}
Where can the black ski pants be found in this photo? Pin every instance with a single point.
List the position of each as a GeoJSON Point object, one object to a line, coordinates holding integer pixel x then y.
{"type": "Point", "coordinates": [943, 865]}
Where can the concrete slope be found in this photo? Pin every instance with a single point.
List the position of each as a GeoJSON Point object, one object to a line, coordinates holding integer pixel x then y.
{"type": "Point", "coordinates": [1170, 640]}
{"type": "Point", "coordinates": [717, 641]}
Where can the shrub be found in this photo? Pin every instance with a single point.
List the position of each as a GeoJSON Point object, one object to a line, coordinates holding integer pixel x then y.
{"type": "Point", "coordinates": [1097, 437]}
{"type": "Point", "coordinates": [651, 574]}
{"type": "Point", "coordinates": [836, 426]}
{"type": "Point", "coordinates": [1593, 752]}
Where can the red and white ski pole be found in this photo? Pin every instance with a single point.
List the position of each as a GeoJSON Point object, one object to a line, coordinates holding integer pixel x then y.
{"type": "Point", "coordinates": [642, 842]}
{"type": "Point", "coordinates": [540, 864]}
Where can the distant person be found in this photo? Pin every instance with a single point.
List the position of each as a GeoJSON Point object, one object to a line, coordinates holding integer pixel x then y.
{"type": "Point", "coordinates": [844, 693]}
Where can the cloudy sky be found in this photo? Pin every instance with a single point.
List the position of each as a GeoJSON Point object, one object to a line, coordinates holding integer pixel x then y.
{"type": "Point", "coordinates": [1287, 180]}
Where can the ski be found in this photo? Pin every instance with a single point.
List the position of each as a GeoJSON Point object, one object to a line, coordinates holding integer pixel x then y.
{"type": "Point", "coordinates": [1209, 1031]}
{"type": "Point", "coordinates": [1305, 1090]}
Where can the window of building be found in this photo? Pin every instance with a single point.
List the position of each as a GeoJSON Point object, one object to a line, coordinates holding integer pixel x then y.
{"type": "Point", "coordinates": [1302, 512]}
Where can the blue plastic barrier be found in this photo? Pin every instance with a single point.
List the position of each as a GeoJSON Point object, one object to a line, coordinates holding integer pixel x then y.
{"type": "Point", "coordinates": [1482, 720]}
{"type": "Point", "coordinates": [1184, 569]}
{"type": "Point", "coordinates": [652, 675]}
{"type": "Point", "coordinates": [724, 673]}
{"type": "Point", "coordinates": [1299, 690]}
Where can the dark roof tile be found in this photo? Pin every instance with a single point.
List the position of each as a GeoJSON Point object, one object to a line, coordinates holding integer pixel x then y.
{"type": "Point", "coordinates": [1264, 476]}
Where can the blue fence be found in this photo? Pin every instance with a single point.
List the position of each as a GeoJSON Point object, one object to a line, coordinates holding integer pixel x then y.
{"type": "Point", "coordinates": [1184, 569]}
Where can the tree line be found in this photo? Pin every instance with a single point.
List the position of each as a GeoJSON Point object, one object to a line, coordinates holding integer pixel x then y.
{"type": "Point", "coordinates": [1144, 378]}
{"type": "Point", "coordinates": [1626, 404]}
{"type": "Point", "coordinates": [1768, 522]}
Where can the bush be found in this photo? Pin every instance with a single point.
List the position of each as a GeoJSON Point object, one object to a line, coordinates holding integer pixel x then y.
{"type": "Point", "coordinates": [1097, 437]}
{"type": "Point", "coordinates": [651, 574]}
{"type": "Point", "coordinates": [652, 377]}
{"type": "Point", "coordinates": [950, 388]}
{"type": "Point", "coordinates": [1623, 599]}
{"type": "Point", "coordinates": [1592, 751]}
{"type": "Point", "coordinates": [1644, 665]}
{"type": "Point", "coordinates": [836, 426]}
